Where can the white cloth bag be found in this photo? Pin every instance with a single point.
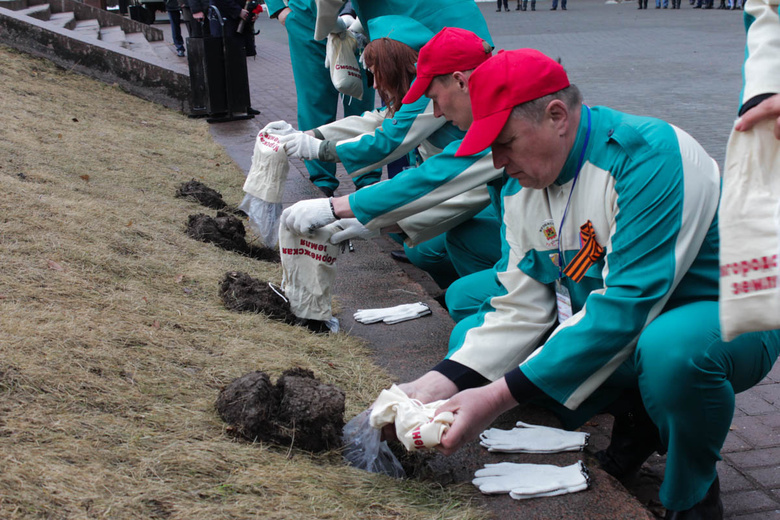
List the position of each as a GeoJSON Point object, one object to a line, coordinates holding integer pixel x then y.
{"type": "Point", "coordinates": [416, 424]}
{"type": "Point", "coordinates": [264, 187]}
{"type": "Point", "coordinates": [750, 233]}
{"type": "Point", "coordinates": [308, 271]}
{"type": "Point", "coordinates": [341, 59]}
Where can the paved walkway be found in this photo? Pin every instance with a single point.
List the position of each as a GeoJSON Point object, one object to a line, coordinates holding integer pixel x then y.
{"type": "Point", "coordinates": [682, 66]}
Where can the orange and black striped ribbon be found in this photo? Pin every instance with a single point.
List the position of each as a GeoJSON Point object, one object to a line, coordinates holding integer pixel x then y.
{"type": "Point", "coordinates": [587, 256]}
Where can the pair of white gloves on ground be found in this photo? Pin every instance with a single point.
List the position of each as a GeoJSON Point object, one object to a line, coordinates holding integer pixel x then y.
{"type": "Point", "coordinates": [523, 481]}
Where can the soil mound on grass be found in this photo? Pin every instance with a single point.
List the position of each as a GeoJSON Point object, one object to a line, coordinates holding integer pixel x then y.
{"type": "Point", "coordinates": [201, 194]}
{"type": "Point", "coordinates": [228, 232]}
{"type": "Point", "coordinates": [242, 293]}
{"type": "Point", "coordinates": [298, 410]}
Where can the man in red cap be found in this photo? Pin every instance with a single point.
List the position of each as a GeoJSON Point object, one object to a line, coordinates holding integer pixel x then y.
{"type": "Point", "coordinates": [610, 282]}
{"type": "Point", "coordinates": [454, 187]}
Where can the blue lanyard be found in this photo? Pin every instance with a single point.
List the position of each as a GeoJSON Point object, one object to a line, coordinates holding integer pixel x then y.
{"type": "Point", "coordinates": [573, 184]}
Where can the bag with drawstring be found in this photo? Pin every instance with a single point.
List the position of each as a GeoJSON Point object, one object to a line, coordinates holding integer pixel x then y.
{"type": "Point", "coordinates": [749, 226]}
{"type": "Point", "coordinates": [308, 271]}
{"type": "Point", "coordinates": [341, 59]}
{"type": "Point", "coordinates": [264, 187]}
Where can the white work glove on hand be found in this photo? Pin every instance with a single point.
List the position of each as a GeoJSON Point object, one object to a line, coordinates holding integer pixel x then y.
{"type": "Point", "coordinates": [298, 144]}
{"type": "Point", "coordinates": [342, 23]}
{"type": "Point", "coordinates": [278, 128]}
{"type": "Point", "coordinates": [530, 438]}
{"type": "Point", "coordinates": [352, 228]}
{"type": "Point", "coordinates": [524, 481]}
{"type": "Point", "coordinates": [307, 215]}
{"type": "Point", "coordinates": [356, 30]}
{"type": "Point", "coordinates": [391, 315]}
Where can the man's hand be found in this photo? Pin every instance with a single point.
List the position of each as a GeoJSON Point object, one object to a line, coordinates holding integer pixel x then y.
{"type": "Point", "coordinates": [305, 216]}
{"type": "Point", "coordinates": [352, 228]}
{"type": "Point", "coordinates": [474, 409]}
{"type": "Point", "coordinates": [299, 144]}
{"type": "Point", "coordinates": [244, 14]}
{"type": "Point", "coordinates": [282, 16]}
{"type": "Point", "coordinates": [199, 15]}
{"type": "Point", "coordinates": [430, 387]}
{"type": "Point", "coordinates": [767, 109]}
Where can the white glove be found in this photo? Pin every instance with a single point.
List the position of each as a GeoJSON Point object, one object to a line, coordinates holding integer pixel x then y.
{"type": "Point", "coordinates": [530, 438]}
{"type": "Point", "coordinates": [356, 30]}
{"type": "Point", "coordinates": [278, 128]}
{"type": "Point", "coordinates": [307, 215]}
{"type": "Point", "coordinates": [523, 481]}
{"type": "Point", "coordinates": [342, 23]}
{"type": "Point", "coordinates": [391, 315]}
{"type": "Point", "coordinates": [298, 144]}
{"type": "Point", "coordinates": [351, 228]}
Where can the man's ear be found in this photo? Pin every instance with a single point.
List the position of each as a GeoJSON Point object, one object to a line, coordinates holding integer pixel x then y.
{"type": "Point", "coordinates": [461, 79]}
{"type": "Point", "coordinates": [558, 114]}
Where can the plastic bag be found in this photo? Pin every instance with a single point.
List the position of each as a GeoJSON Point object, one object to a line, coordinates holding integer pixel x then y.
{"type": "Point", "coordinates": [364, 450]}
{"type": "Point", "coordinates": [263, 218]}
{"type": "Point", "coordinates": [264, 187]}
{"type": "Point", "coordinates": [341, 59]}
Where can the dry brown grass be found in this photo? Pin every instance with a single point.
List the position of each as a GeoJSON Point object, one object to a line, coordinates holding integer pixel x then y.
{"type": "Point", "coordinates": [113, 341]}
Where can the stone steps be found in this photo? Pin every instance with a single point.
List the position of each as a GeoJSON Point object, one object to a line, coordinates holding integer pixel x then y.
{"type": "Point", "coordinates": [136, 42]}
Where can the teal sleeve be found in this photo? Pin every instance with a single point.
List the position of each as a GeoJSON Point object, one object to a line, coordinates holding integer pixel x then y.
{"type": "Point", "coordinates": [274, 6]}
{"type": "Point", "coordinates": [394, 138]}
{"type": "Point", "coordinates": [417, 189]}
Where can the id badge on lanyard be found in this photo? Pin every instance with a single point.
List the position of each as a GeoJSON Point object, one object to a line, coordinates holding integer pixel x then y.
{"type": "Point", "coordinates": [563, 301]}
{"type": "Point", "coordinates": [562, 295]}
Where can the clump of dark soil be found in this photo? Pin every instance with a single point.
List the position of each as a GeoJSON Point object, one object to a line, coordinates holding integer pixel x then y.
{"type": "Point", "coordinates": [298, 410]}
{"type": "Point", "coordinates": [228, 232]}
{"type": "Point", "coordinates": [242, 293]}
{"type": "Point", "coordinates": [201, 194]}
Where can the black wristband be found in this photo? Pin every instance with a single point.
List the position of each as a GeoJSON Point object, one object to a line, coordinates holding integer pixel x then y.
{"type": "Point", "coordinates": [332, 209]}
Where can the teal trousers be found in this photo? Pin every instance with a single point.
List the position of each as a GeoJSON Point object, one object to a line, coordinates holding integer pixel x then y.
{"type": "Point", "coordinates": [317, 97]}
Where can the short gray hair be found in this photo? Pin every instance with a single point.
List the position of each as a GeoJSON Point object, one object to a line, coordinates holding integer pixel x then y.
{"type": "Point", "coordinates": [534, 110]}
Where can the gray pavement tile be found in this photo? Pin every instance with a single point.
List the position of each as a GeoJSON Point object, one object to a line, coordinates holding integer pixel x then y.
{"type": "Point", "coordinates": [755, 458]}
{"type": "Point", "coordinates": [761, 431]}
{"type": "Point", "coordinates": [767, 477]}
{"type": "Point", "coordinates": [754, 403]}
{"type": "Point", "coordinates": [732, 480]}
{"type": "Point", "coordinates": [763, 515]}
{"type": "Point", "coordinates": [747, 502]}
{"type": "Point", "coordinates": [768, 392]}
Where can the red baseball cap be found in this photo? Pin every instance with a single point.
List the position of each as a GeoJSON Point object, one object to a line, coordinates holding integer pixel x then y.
{"type": "Point", "coordinates": [451, 50]}
{"type": "Point", "coordinates": [506, 80]}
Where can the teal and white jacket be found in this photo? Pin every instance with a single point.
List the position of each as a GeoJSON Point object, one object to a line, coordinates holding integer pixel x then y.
{"type": "Point", "coordinates": [371, 140]}
{"type": "Point", "coordinates": [761, 73]}
{"type": "Point", "coordinates": [651, 193]}
{"type": "Point", "coordinates": [428, 200]}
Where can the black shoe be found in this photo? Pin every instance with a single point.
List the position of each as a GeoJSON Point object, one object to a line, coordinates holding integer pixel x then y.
{"type": "Point", "coordinates": [252, 112]}
{"type": "Point", "coordinates": [400, 256]}
{"type": "Point", "coordinates": [506, 9]}
{"type": "Point", "coordinates": [634, 438]}
{"type": "Point", "coordinates": [518, 8]}
{"type": "Point", "coordinates": [553, 8]}
{"type": "Point", "coordinates": [710, 507]}
{"type": "Point", "coordinates": [563, 8]}
{"type": "Point", "coordinates": [498, 10]}
{"type": "Point", "coordinates": [327, 191]}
